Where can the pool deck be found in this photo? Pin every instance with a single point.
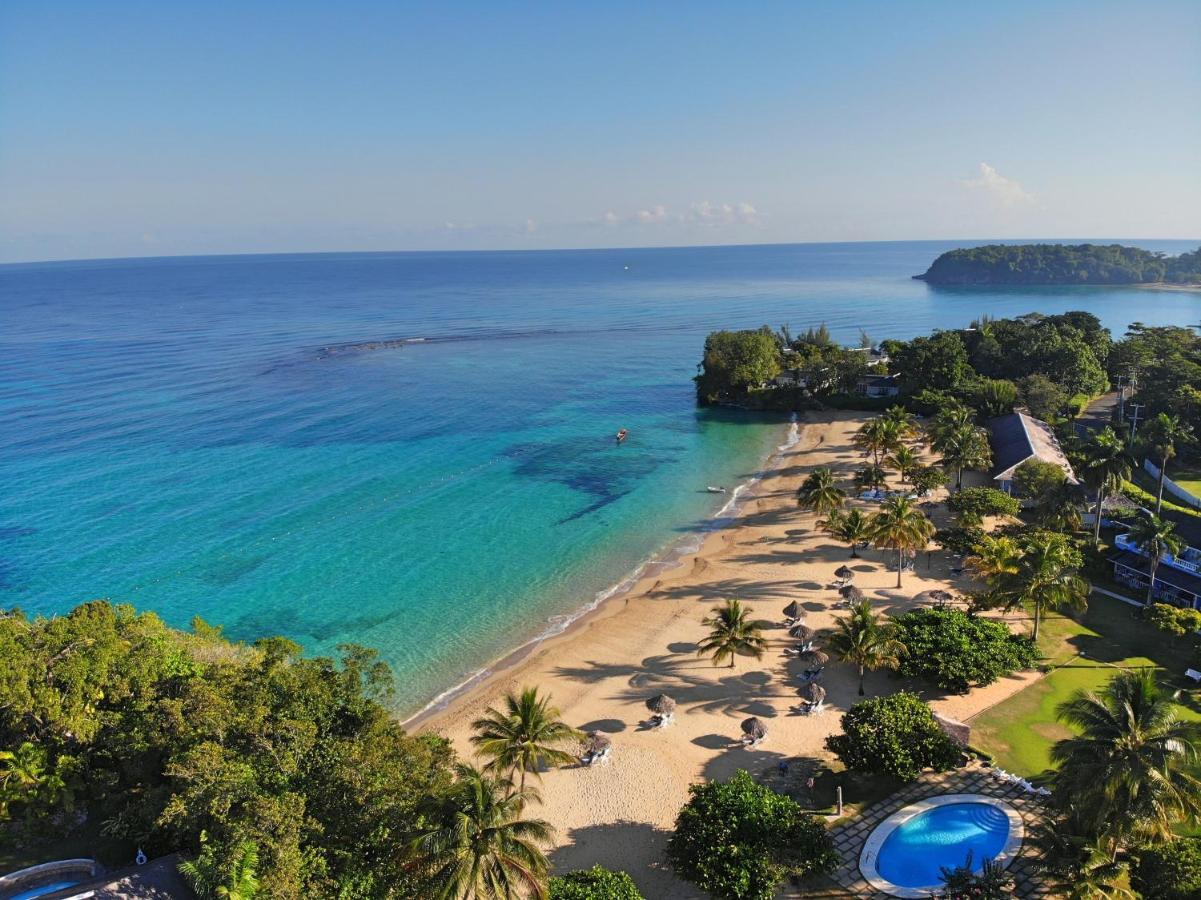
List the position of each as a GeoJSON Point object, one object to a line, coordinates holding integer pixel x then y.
{"type": "Point", "coordinates": [850, 836]}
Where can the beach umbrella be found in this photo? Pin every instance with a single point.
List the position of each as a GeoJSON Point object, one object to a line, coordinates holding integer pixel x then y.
{"type": "Point", "coordinates": [813, 692]}
{"type": "Point", "coordinates": [851, 593]}
{"type": "Point", "coordinates": [661, 704]}
{"type": "Point", "coordinates": [814, 658]}
{"type": "Point", "coordinates": [754, 728]}
{"type": "Point", "coordinates": [802, 633]}
{"type": "Point", "coordinates": [844, 572]}
{"type": "Point", "coordinates": [793, 610]}
{"type": "Point", "coordinates": [598, 741]}
{"type": "Point", "coordinates": [938, 597]}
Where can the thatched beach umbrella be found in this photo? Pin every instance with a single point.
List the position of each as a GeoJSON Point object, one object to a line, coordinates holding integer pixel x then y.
{"type": "Point", "coordinates": [597, 742]}
{"type": "Point", "coordinates": [661, 705]}
{"type": "Point", "coordinates": [813, 692]}
{"type": "Point", "coordinates": [802, 633]}
{"type": "Point", "coordinates": [814, 658]}
{"type": "Point", "coordinates": [851, 593]}
{"type": "Point", "coordinates": [754, 729]}
{"type": "Point", "coordinates": [793, 610]}
{"type": "Point", "coordinates": [844, 572]}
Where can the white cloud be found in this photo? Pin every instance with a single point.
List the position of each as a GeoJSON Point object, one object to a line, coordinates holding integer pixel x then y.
{"type": "Point", "coordinates": [531, 225]}
{"type": "Point", "coordinates": [703, 212]}
{"type": "Point", "coordinates": [708, 213]}
{"type": "Point", "coordinates": [654, 214]}
{"type": "Point", "coordinates": [610, 218]}
{"type": "Point", "coordinates": [1004, 190]}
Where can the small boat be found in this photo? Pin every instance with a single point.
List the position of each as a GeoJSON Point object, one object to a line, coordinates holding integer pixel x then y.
{"type": "Point", "coordinates": [715, 490]}
{"type": "Point", "coordinates": [622, 435]}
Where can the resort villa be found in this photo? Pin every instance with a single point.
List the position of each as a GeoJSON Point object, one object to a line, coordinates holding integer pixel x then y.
{"type": "Point", "coordinates": [1018, 438]}
{"type": "Point", "coordinates": [1177, 580]}
{"type": "Point", "coordinates": [879, 386]}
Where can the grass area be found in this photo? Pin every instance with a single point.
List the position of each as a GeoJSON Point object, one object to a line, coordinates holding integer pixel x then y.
{"type": "Point", "coordinates": [1084, 653]}
{"type": "Point", "coordinates": [1142, 492]}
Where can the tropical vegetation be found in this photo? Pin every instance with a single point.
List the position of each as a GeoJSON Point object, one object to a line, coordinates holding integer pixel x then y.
{"type": "Point", "coordinates": [861, 639]}
{"type": "Point", "coordinates": [732, 634]}
{"type": "Point", "coordinates": [956, 650]}
{"type": "Point", "coordinates": [894, 735]}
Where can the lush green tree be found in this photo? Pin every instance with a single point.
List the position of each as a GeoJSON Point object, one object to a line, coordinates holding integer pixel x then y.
{"type": "Point", "coordinates": [1047, 575]}
{"type": "Point", "coordinates": [1036, 477]}
{"type": "Point", "coordinates": [483, 849]}
{"type": "Point", "coordinates": [597, 883]}
{"type": "Point", "coordinates": [1175, 620]}
{"type": "Point", "coordinates": [962, 540]}
{"type": "Point", "coordinates": [732, 634]}
{"type": "Point", "coordinates": [995, 558]}
{"type": "Point", "coordinates": [871, 477]}
{"type": "Point", "coordinates": [901, 526]}
{"type": "Point", "coordinates": [973, 504]}
{"type": "Point", "coordinates": [878, 436]}
{"type": "Point", "coordinates": [526, 736]}
{"type": "Point", "coordinates": [926, 479]}
{"type": "Point", "coordinates": [939, 362]}
{"type": "Point", "coordinates": [736, 362]}
{"type": "Point", "coordinates": [1168, 871]}
{"type": "Point", "coordinates": [851, 527]}
{"type": "Point", "coordinates": [965, 448]}
{"type": "Point", "coordinates": [893, 735]}
{"type": "Point", "coordinates": [1164, 435]}
{"type": "Point", "coordinates": [27, 780]}
{"type": "Point", "coordinates": [901, 422]}
{"type": "Point", "coordinates": [1128, 767]}
{"type": "Point", "coordinates": [820, 493]}
{"type": "Point", "coordinates": [861, 639]}
{"type": "Point", "coordinates": [1107, 465]}
{"type": "Point", "coordinates": [994, 397]}
{"type": "Point", "coordinates": [957, 650]}
{"type": "Point", "coordinates": [1055, 264]}
{"type": "Point", "coordinates": [1043, 397]}
{"type": "Point", "coordinates": [1155, 537]}
{"type": "Point", "coordinates": [223, 873]}
{"type": "Point", "coordinates": [739, 840]}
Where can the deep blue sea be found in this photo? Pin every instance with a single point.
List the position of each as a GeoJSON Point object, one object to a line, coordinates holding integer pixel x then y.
{"type": "Point", "coordinates": [200, 436]}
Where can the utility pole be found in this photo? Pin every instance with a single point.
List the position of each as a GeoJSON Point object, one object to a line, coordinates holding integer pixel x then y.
{"type": "Point", "coordinates": [1134, 418]}
{"type": "Point", "coordinates": [1121, 400]}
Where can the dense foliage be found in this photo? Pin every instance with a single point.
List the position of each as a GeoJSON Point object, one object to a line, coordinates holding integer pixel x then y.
{"type": "Point", "coordinates": [735, 362]}
{"type": "Point", "coordinates": [162, 737]}
{"type": "Point", "coordinates": [1170, 871]}
{"type": "Point", "coordinates": [1062, 264]}
{"type": "Point", "coordinates": [1175, 620]}
{"type": "Point", "coordinates": [597, 883]}
{"type": "Point", "coordinates": [739, 839]}
{"type": "Point", "coordinates": [894, 735]}
{"type": "Point", "coordinates": [973, 504]}
{"type": "Point", "coordinates": [956, 650]}
{"type": "Point", "coordinates": [962, 882]}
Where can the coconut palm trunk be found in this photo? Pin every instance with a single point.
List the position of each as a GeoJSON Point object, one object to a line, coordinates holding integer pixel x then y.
{"type": "Point", "coordinates": [900, 563]}
{"type": "Point", "coordinates": [1163, 471]}
{"type": "Point", "coordinates": [1102, 496]}
{"type": "Point", "coordinates": [1154, 570]}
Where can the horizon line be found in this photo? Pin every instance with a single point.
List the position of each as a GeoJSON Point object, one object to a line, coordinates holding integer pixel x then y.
{"type": "Point", "coordinates": [532, 250]}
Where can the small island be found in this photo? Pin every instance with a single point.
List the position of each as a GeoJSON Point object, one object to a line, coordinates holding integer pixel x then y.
{"type": "Point", "coordinates": [1037, 264]}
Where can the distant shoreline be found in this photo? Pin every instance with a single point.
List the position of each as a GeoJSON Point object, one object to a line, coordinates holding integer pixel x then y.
{"type": "Point", "coordinates": [1169, 286]}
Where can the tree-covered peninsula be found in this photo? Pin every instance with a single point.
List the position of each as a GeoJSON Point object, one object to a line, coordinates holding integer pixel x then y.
{"type": "Point", "coordinates": [1062, 264]}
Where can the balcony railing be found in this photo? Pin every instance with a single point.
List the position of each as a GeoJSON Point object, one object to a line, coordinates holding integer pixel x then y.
{"type": "Point", "coordinates": [1192, 566]}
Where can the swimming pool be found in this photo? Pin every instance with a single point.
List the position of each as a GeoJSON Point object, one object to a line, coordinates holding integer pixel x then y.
{"type": "Point", "coordinates": [44, 889]}
{"type": "Point", "coordinates": [905, 855]}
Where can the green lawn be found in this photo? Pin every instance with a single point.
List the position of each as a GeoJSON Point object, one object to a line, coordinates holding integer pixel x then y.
{"type": "Point", "coordinates": [1085, 653]}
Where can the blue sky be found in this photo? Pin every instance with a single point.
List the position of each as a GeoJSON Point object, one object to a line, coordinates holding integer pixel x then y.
{"type": "Point", "coordinates": [131, 129]}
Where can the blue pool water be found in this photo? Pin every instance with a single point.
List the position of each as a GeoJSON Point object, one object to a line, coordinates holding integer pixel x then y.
{"type": "Point", "coordinates": [178, 433]}
{"type": "Point", "coordinates": [915, 853]}
{"type": "Point", "coordinates": [43, 889]}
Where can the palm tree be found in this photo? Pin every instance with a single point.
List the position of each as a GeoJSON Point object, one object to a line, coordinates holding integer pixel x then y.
{"type": "Point", "coordinates": [946, 422]}
{"type": "Point", "coordinates": [1108, 464]}
{"type": "Point", "coordinates": [732, 634]}
{"type": "Point", "coordinates": [819, 493]}
{"type": "Point", "coordinates": [1129, 766]}
{"type": "Point", "coordinates": [1155, 537]}
{"type": "Point", "coordinates": [904, 459]}
{"type": "Point", "coordinates": [1163, 435]}
{"type": "Point", "coordinates": [995, 557]}
{"type": "Point", "coordinates": [860, 638]}
{"type": "Point", "coordinates": [26, 778]}
{"type": "Point", "coordinates": [965, 447]}
{"type": "Point", "coordinates": [901, 526]}
{"type": "Point", "coordinates": [484, 850]}
{"type": "Point", "coordinates": [877, 436]}
{"type": "Point", "coordinates": [1046, 578]}
{"type": "Point", "coordinates": [526, 736]}
{"type": "Point", "coordinates": [902, 422]}
{"type": "Point", "coordinates": [215, 877]}
{"type": "Point", "coordinates": [850, 527]}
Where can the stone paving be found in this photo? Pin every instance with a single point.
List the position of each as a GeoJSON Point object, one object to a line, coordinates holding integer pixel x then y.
{"type": "Point", "coordinates": [850, 836]}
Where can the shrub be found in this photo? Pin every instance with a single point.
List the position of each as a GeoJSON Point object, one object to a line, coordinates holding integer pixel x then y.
{"type": "Point", "coordinates": [983, 501]}
{"type": "Point", "coordinates": [1175, 620]}
{"type": "Point", "coordinates": [894, 735]}
{"type": "Point", "coordinates": [1036, 478]}
{"type": "Point", "coordinates": [956, 650]}
{"type": "Point", "coordinates": [961, 540]}
{"type": "Point", "coordinates": [597, 883]}
{"type": "Point", "coordinates": [927, 479]}
{"type": "Point", "coordinates": [1169, 871]}
{"type": "Point", "coordinates": [739, 839]}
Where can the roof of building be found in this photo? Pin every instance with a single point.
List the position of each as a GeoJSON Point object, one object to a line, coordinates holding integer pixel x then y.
{"type": "Point", "coordinates": [1164, 574]}
{"type": "Point", "coordinates": [879, 379]}
{"type": "Point", "coordinates": [1018, 437]}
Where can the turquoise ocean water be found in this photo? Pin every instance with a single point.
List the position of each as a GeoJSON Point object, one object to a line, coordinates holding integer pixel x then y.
{"type": "Point", "coordinates": [227, 436]}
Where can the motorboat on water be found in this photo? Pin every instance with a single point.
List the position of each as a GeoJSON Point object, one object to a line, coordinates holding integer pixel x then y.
{"type": "Point", "coordinates": [622, 435]}
{"type": "Point", "coordinates": [712, 489]}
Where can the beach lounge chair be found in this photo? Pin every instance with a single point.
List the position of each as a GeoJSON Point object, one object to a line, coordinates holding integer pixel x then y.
{"type": "Point", "coordinates": [1193, 675]}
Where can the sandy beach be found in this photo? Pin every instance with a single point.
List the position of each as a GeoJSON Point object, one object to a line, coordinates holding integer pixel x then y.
{"type": "Point", "coordinates": [600, 673]}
